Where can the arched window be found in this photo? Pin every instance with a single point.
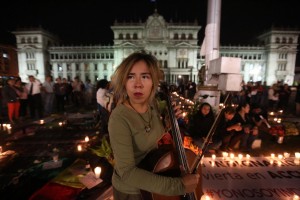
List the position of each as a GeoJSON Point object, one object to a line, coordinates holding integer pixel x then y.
{"type": "Point", "coordinates": [165, 64]}
{"type": "Point", "coordinates": [120, 36]}
{"type": "Point", "coordinates": [183, 36]}
{"type": "Point", "coordinates": [284, 40]}
{"type": "Point", "coordinates": [277, 40]}
{"type": "Point", "coordinates": [176, 36]}
{"type": "Point", "coordinates": [290, 40]}
{"type": "Point", "coordinates": [127, 36]}
{"type": "Point", "coordinates": [135, 37]}
{"type": "Point", "coordinates": [190, 36]}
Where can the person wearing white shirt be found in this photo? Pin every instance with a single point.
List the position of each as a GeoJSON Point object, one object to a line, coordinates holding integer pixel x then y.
{"type": "Point", "coordinates": [103, 103]}
{"type": "Point", "coordinates": [34, 97]}
{"type": "Point", "coordinates": [48, 96]}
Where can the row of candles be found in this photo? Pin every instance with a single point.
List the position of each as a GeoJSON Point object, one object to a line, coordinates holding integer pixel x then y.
{"type": "Point", "coordinates": [273, 157]}
{"type": "Point", "coordinates": [6, 127]}
{"type": "Point", "coordinates": [285, 155]}
{"type": "Point", "coordinates": [231, 157]}
{"type": "Point", "coordinates": [207, 197]}
{"type": "Point", "coordinates": [59, 123]}
{"type": "Point", "coordinates": [278, 159]}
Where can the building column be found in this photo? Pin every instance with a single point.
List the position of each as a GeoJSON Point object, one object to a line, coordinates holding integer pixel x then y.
{"type": "Point", "coordinates": [55, 70]}
{"type": "Point", "coordinates": [73, 67]}
{"type": "Point", "coordinates": [82, 72]}
{"type": "Point", "coordinates": [64, 70]}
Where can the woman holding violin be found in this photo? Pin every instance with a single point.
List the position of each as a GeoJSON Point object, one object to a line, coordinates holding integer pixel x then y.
{"type": "Point", "coordinates": [135, 127]}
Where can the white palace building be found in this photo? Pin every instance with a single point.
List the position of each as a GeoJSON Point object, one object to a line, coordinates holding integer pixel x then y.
{"type": "Point", "coordinates": [174, 44]}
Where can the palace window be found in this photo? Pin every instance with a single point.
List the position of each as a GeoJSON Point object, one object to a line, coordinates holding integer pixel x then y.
{"type": "Point", "coordinates": [176, 36]}
{"type": "Point", "coordinates": [284, 40]}
{"type": "Point", "coordinates": [183, 36]}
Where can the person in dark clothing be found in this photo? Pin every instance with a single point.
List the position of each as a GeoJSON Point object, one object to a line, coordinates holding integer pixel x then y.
{"type": "Point", "coordinates": [200, 125]}
{"type": "Point", "coordinates": [284, 96]}
{"type": "Point", "coordinates": [11, 97]}
{"type": "Point", "coordinates": [60, 90]}
{"type": "Point", "coordinates": [259, 117]}
{"type": "Point", "coordinates": [191, 86]}
{"type": "Point", "coordinates": [226, 127]}
{"type": "Point", "coordinates": [249, 131]}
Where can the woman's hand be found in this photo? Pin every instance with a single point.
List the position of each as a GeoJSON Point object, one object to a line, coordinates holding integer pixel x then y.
{"type": "Point", "coordinates": [236, 127]}
{"type": "Point", "coordinates": [190, 182]}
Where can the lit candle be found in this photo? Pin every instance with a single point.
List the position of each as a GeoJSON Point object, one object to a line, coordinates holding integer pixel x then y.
{"type": "Point", "coordinates": [272, 155]}
{"type": "Point", "coordinates": [4, 127]}
{"type": "Point", "coordinates": [232, 155]}
{"type": "Point", "coordinates": [297, 155]}
{"type": "Point", "coordinates": [225, 154]}
{"type": "Point", "coordinates": [79, 147]}
{"type": "Point", "coordinates": [213, 163]}
{"type": "Point", "coordinates": [213, 157]}
{"type": "Point", "coordinates": [286, 155]}
{"type": "Point", "coordinates": [60, 123]}
{"type": "Point", "coordinates": [86, 138]}
{"type": "Point", "coordinates": [8, 129]}
{"type": "Point", "coordinates": [97, 171]}
{"type": "Point", "coordinates": [41, 121]}
{"type": "Point", "coordinates": [205, 197]}
{"type": "Point", "coordinates": [248, 156]}
{"type": "Point", "coordinates": [280, 156]}
{"type": "Point", "coordinates": [295, 197]}
{"type": "Point", "coordinates": [240, 156]}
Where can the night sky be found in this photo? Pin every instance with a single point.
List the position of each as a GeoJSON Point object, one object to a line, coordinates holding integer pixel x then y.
{"type": "Point", "coordinates": [89, 21]}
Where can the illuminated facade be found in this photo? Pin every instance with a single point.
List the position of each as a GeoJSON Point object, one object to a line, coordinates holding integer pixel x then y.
{"type": "Point", "coordinates": [174, 44]}
{"type": "Point", "coordinates": [8, 61]}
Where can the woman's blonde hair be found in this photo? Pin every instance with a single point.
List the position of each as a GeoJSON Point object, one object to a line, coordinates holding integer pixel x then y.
{"type": "Point", "coordinates": [120, 76]}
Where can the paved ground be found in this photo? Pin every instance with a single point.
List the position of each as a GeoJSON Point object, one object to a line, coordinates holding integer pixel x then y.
{"type": "Point", "coordinates": [21, 171]}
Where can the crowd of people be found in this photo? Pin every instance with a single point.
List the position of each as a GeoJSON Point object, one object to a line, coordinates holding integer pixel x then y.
{"type": "Point", "coordinates": [239, 126]}
{"type": "Point", "coordinates": [130, 112]}
{"type": "Point", "coordinates": [274, 97]}
{"type": "Point", "coordinates": [35, 100]}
